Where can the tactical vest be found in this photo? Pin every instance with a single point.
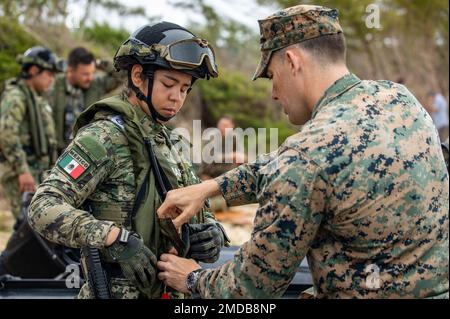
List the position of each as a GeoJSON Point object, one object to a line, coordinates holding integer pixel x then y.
{"type": "Point", "coordinates": [142, 218]}
{"type": "Point", "coordinates": [43, 143]}
{"type": "Point", "coordinates": [64, 114]}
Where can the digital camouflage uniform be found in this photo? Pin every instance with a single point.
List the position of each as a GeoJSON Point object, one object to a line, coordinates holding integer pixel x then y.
{"type": "Point", "coordinates": [362, 191]}
{"type": "Point", "coordinates": [68, 101]}
{"type": "Point", "coordinates": [108, 184]}
{"type": "Point", "coordinates": [27, 138]}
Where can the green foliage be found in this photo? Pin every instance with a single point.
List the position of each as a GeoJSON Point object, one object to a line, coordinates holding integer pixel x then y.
{"type": "Point", "coordinates": [14, 40]}
{"type": "Point", "coordinates": [236, 45]}
{"type": "Point", "coordinates": [249, 103]}
{"type": "Point", "coordinates": [407, 14]}
{"type": "Point", "coordinates": [411, 44]}
{"type": "Point", "coordinates": [106, 36]}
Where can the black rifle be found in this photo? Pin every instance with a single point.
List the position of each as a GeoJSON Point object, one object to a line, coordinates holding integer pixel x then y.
{"type": "Point", "coordinates": [96, 276]}
{"type": "Point", "coordinates": [93, 270]}
{"type": "Point", "coordinates": [163, 186]}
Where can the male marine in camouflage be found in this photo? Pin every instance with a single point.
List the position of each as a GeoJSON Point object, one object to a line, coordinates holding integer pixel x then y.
{"type": "Point", "coordinates": [78, 88]}
{"type": "Point", "coordinates": [361, 190]}
{"type": "Point", "coordinates": [103, 191]}
{"type": "Point", "coordinates": [27, 134]}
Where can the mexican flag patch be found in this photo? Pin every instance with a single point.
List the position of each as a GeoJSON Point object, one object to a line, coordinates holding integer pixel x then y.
{"type": "Point", "coordinates": [73, 164]}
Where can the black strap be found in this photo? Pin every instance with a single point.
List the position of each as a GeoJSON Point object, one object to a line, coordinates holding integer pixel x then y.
{"type": "Point", "coordinates": [150, 73]}
{"type": "Point", "coordinates": [162, 182]}
{"type": "Point", "coordinates": [138, 201]}
{"type": "Point", "coordinates": [446, 153]}
{"type": "Point", "coordinates": [163, 186]}
{"type": "Point", "coordinates": [32, 113]}
{"type": "Point", "coordinates": [97, 278]}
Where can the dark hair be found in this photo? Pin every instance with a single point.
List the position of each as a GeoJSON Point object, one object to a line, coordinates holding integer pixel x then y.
{"type": "Point", "coordinates": [80, 56]}
{"type": "Point", "coordinates": [328, 48]}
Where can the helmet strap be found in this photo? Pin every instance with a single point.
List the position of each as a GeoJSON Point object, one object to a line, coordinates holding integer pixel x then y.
{"type": "Point", "coordinates": [150, 73]}
{"type": "Point", "coordinates": [25, 74]}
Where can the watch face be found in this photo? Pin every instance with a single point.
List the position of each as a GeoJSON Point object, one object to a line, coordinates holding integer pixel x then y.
{"type": "Point", "coordinates": [192, 280]}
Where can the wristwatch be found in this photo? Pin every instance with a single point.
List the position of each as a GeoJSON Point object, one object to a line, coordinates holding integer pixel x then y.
{"type": "Point", "coordinates": [192, 279]}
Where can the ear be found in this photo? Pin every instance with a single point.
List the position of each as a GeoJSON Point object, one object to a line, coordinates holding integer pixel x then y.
{"type": "Point", "coordinates": [294, 60]}
{"type": "Point", "coordinates": [136, 75]}
{"type": "Point", "coordinates": [34, 70]}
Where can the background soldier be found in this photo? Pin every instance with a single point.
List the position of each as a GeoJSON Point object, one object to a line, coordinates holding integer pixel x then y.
{"type": "Point", "coordinates": [27, 136]}
{"type": "Point", "coordinates": [78, 88]}
{"type": "Point", "coordinates": [224, 161]}
{"type": "Point", "coordinates": [362, 190]}
{"type": "Point", "coordinates": [110, 167]}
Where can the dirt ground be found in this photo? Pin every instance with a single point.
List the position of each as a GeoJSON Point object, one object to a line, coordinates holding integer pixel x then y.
{"type": "Point", "coordinates": [238, 222]}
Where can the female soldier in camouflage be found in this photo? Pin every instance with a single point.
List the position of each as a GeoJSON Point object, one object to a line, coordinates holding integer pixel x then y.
{"type": "Point", "coordinates": [104, 190]}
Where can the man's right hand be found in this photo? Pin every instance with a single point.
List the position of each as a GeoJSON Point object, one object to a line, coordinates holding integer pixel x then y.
{"type": "Point", "coordinates": [26, 183]}
{"type": "Point", "coordinates": [138, 263]}
{"type": "Point", "coordinates": [184, 203]}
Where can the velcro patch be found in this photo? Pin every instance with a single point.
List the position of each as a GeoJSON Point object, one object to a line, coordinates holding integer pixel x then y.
{"type": "Point", "coordinates": [73, 164]}
{"type": "Point", "coordinates": [90, 145]}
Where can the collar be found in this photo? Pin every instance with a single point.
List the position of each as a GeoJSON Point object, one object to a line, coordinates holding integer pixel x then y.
{"type": "Point", "coordinates": [28, 88]}
{"type": "Point", "coordinates": [72, 90]}
{"type": "Point", "coordinates": [339, 87]}
{"type": "Point", "coordinates": [149, 125]}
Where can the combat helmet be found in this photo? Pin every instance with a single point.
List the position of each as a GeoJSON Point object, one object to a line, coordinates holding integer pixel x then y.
{"type": "Point", "coordinates": [165, 45]}
{"type": "Point", "coordinates": [42, 57]}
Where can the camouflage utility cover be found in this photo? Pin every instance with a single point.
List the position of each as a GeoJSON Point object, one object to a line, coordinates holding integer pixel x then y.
{"type": "Point", "coordinates": [294, 25]}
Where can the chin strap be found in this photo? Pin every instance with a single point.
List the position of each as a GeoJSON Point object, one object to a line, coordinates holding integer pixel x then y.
{"type": "Point", "coordinates": [150, 73]}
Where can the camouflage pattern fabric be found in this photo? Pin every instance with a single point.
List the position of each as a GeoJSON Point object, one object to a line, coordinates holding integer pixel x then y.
{"type": "Point", "coordinates": [120, 289]}
{"type": "Point", "coordinates": [68, 101]}
{"type": "Point", "coordinates": [17, 155]}
{"type": "Point", "coordinates": [362, 191]}
{"type": "Point", "coordinates": [103, 176]}
{"type": "Point", "coordinates": [294, 25]}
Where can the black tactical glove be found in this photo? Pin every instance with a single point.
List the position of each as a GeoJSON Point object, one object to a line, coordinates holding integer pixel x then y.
{"type": "Point", "coordinates": [138, 263]}
{"type": "Point", "coordinates": [206, 241]}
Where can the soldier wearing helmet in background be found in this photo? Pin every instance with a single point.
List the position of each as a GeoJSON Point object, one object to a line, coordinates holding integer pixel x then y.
{"type": "Point", "coordinates": [105, 188]}
{"type": "Point", "coordinates": [27, 135]}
